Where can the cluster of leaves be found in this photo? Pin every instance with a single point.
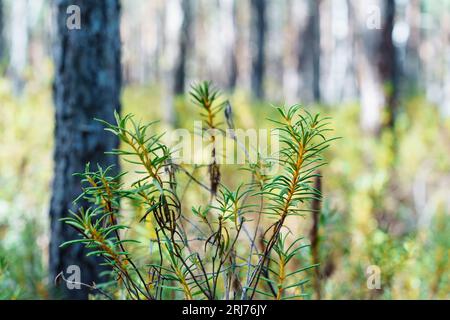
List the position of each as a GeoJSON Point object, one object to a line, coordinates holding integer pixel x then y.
{"type": "Point", "coordinates": [218, 250]}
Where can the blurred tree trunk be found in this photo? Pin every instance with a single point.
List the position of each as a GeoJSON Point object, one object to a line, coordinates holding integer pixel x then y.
{"type": "Point", "coordinates": [376, 62]}
{"type": "Point", "coordinates": [173, 23]}
{"type": "Point", "coordinates": [2, 42]}
{"type": "Point", "coordinates": [336, 60]}
{"type": "Point", "coordinates": [276, 18]}
{"type": "Point", "coordinates": [412, 60]}
{"type": "Point", "coordinates": [369, 84]}
{"type": "Point", "coordinates": [314, 236]}
{"type": "Point", "coordinates": [243, 46]}
{"type": "Point", "coordinates": [445, 36]}
{"type": "Point", "coordinates": [227, 15]}
{"type": "Point", "coordinates": [388, 64]}
{"type": "Point", "coordinates": [296, 13]}
{"type": "Point", "coordinates": [19, 44]}
{"type": "Point", "coordinates": [258, 14]}
{"type": "Point", "coordinates": [184, 40]}
{"type": "Point", "coordinates": [309, 55]}
{"type": "Point", "coordinates": [87, 85]}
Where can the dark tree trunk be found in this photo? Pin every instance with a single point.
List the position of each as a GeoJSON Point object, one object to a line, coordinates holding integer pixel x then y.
{"type": "Point", "coordinates": [180, 68]}
{"type": "Point", "coordinates": [231, 63]}
{"type": "Point", "coordinates": [387, 61]}
{"type": "Point", "coordinates": [2, 42]}
{"type": "Point", "coordinates": [233, 72]}
{"type": "Point", "coordinates": [315, 33]}
{"type": "Point", "coordinates": [87, 85]}
{"type": "Point", "coordinates": [258, 14]}
{"type": "Point", "coordinates": [314, 235]}
{"type": "Point", "coordinates": [309, 64]}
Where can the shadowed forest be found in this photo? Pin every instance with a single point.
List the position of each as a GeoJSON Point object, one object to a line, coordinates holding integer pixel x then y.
{"type": "Point", "coordinates": [358, 207]}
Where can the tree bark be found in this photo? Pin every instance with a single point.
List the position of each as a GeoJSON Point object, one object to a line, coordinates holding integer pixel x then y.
{"type": "Point", "coordinates": [258, 46]}
{"type": "Point", "coordinates": [87, 85]}
{"type": "Point", "coordinates": [180, 68]}
{"type": "Point", "coordinates": [309, 64]}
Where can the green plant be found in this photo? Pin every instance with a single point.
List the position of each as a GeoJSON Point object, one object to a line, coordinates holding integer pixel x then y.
{"type": "Point", "coordinates": [218, 249]}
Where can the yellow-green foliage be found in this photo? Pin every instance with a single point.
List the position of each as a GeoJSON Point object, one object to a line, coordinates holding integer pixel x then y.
{"type": "Point", "coordinates": [386, 197]}
{"type": "Point", "coordinates": [26, 129]}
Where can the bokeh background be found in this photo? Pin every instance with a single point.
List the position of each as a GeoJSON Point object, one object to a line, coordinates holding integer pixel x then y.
{"type": "Point", "coordinates": [380, 69]}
